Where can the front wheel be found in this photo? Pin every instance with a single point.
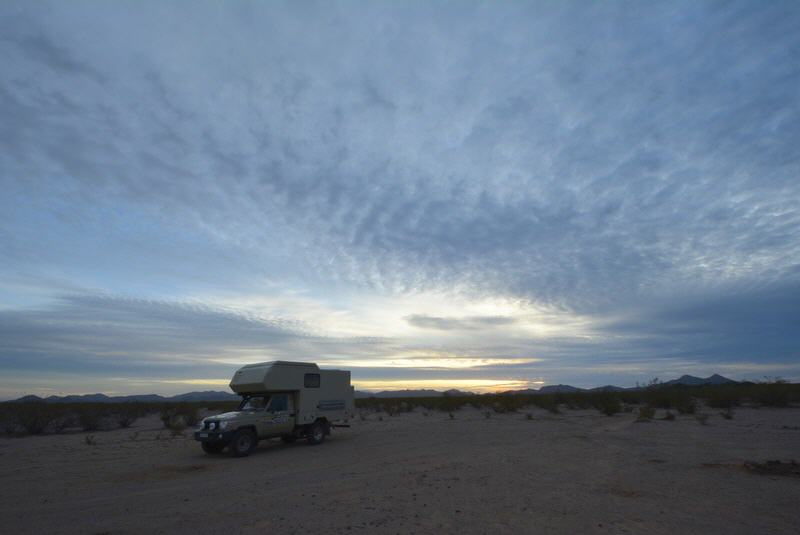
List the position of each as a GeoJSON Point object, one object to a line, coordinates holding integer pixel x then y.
{"type": "Point", "coordinates": [212, 447]}
{"type": "Point", "coordinates": [316, 435]}
{"type": "Point", "coordinates": [244, 441]}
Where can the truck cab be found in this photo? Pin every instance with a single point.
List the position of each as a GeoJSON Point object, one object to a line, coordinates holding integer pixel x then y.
{"type": "Point", "coordinates": [280, 399]}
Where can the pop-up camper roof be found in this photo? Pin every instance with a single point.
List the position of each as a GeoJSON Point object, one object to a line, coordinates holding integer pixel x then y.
{"type": "Point", "coordinates": [278, 375]}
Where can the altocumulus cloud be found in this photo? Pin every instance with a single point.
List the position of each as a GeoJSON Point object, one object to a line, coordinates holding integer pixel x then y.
{"type": "Point", "coordinates": [629, 169]}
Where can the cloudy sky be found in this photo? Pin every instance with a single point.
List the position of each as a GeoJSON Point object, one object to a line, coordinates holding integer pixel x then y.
{"type": "Point", "coordinates": [431, 194]}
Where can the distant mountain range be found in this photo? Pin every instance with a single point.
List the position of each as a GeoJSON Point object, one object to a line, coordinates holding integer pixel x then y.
{"type": "Point", "coordinates": [687, 380]}
{"type": "Point", "coordinates": [211, 395]}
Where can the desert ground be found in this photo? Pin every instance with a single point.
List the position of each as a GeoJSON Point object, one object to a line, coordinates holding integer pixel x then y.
{"type": "Point", "coordinates": [418, 472]}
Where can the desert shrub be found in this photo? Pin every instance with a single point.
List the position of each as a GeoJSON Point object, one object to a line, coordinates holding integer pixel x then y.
{"type": "Point", "coordinates": [771, 395]}
{"type": "Point", "coordinates": [125, 419]}
{"type": "Point", "coordinates": [723, 397]}
{"type": "Point", "coordinates": [660, 398]}
{"type": "Point", "coordinates": [179, 415]}
{"type": "Point", "coordinates": [177, 426]}
{"type": "Point", "coordinates": [487, 414]}
{"type": "Point", "coordinates": [62, 422]}
{"type": "Point", "coordinates": [608, 404]}
{"type": "Point", "coordinates": [646, 413]}
{"type": "Point", "coordinates": [702, 418]}
{"type": "Point", "coordinates": [8, 423]}
{"type": "Point", "coordinates": [528, 416]}
{"type": "Point", "coordinates": [189, 414]}
{"type": "Point", "coordinates": [90, 440]}
{"type": "Point", "coordinates": [547, 403]}
{"type": "Point", "coordinates": [670, 416]}
{"type": "Point", "coordinates": [33, 418]}
{"type": "Point", "coordinates": [686, 404]}
{"type": "Point", "coordinates": [727, 413]}
{"type": "Point", "coordinates": [89, 418]}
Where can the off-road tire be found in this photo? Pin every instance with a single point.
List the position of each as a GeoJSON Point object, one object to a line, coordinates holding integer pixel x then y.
{"type": "Point", "coordinates": [242, 443]}
{"type": "Point", "coordinates": [288, 439]}
{"type": "Point", "coordinates": [316, 433]}
{"type": "Point", "coordinates": [212, 447]}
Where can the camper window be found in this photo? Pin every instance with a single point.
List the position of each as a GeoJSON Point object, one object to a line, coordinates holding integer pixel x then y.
{"type": "Point", "coordinates": [311, 380]}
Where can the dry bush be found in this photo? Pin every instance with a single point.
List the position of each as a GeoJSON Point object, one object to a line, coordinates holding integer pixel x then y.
{"type": "Point", "coordinates": [33, 418]}
{"type": "Point", "coordinates": [646, 413]}
{"type": "Point", "coordinates": [608, 405]}
{"type": "Point", "coordinates": [126, 416]}
{"type": "Point", "coordinates": [89, 418]}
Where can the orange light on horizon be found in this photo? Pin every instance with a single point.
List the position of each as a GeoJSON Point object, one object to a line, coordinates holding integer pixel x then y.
{"type": "Point", "coordinates": [473, 385]}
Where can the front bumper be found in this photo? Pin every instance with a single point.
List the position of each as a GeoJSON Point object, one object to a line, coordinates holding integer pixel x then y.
{"type": "Point", "coordinates": [205, 435]}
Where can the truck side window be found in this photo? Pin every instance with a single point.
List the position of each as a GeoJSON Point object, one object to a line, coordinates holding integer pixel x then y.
{"type": "Point", "coordinates": [279, 403]}
{"type": "Point", "coordinates": [311, 380]}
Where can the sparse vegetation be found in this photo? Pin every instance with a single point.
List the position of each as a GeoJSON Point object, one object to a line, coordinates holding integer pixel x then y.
{"type": "Point", "coordinates": [178, 416]}
{"type": "Point", "coordinates": [90, 440]}
{"type": "Point", "coordinates": [89, 417]}
{"type": "Point", "coordinates": [680, 398]}
{"type": "Point", "coordinates": [33, 418]}
{"type": "Point", "coordinates": [608, 405]}
{"type": "Point", "coordinates": [702, 418]}
{"type": "Point", "coordinates": [727, 413]}
{"type": "Point", "coordinates": [646, 413]}
{"type": "Point", "coordinates": [36, 417]}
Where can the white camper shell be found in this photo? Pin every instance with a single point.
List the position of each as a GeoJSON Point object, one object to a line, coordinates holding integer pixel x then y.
{"type": "Point", "coordinates": [289, 400]}
{"type": "Point", "coordinates": [317, 393]}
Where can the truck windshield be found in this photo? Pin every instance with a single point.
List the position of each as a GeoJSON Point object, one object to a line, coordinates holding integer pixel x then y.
{"type": "Point", "coordinates": [254, 403]}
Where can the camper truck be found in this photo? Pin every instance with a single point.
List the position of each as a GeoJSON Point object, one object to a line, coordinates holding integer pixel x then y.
{"type": "Point", "coordinates": [286, 400]}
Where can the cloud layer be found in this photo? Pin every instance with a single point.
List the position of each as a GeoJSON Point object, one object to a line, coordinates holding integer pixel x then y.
{"type": "Point", "coordinates": [623, 176]}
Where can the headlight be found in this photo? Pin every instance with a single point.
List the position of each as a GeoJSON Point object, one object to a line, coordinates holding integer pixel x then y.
{"type": "Point", "coordinates": [212, 425]}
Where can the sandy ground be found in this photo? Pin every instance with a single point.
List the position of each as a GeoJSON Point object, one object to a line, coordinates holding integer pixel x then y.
{"type": "Point", "coordinates": [577, 472]}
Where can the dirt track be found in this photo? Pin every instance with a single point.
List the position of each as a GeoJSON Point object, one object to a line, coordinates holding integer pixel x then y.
{"type": "Point", "coordinates": [580, 471]}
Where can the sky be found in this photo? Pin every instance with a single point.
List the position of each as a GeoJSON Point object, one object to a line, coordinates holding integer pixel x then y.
{"type": "Point", "coordinates": [473, 195]}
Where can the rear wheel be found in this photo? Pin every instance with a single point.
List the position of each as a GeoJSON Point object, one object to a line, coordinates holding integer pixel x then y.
{"type": "Point", "coordinates": [316, 435]}
{"type": "Point", "coordinates": [212, 447]}
{"type": "Point", "coordinates": [243, 443]}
